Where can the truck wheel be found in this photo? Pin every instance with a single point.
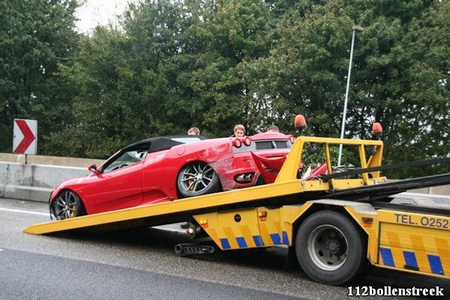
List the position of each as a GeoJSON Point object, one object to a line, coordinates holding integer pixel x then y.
{"type": "Point", "coordinates": [330, 248]}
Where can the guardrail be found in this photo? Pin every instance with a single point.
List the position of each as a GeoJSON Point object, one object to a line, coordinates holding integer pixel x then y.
{"type": "Point", "coordinates": [34, 182]}
{"type": "Point", "coordinates": [36, 179]}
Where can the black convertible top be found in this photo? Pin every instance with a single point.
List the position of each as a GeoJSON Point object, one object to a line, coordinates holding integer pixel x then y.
{"type": "Point", "coordinates": [162, 143]}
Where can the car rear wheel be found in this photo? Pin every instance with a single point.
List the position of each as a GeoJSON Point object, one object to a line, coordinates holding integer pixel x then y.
{"type": "Point", "coordinates": [67, 205]}
{"type": "Point", "coordinates": [196, 179]}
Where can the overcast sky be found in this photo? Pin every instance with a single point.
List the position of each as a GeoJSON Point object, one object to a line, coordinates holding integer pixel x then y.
{"type": "Point", "coordinates": [98, 12]}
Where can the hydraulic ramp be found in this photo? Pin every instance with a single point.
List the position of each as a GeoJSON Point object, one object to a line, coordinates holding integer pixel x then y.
{"type": "Point", "coordinates": [168, 212]}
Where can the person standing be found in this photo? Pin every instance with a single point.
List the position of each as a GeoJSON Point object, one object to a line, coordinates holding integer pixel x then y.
{"type": "Point", "coordinates": [239, 130]}
{"type": "Point", "coordinates": [272, 128]}
{"type": "Point", "coordinates": [193, 131]}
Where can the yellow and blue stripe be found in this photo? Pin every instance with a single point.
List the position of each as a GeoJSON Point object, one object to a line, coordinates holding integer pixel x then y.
{"type": "Point", "coordinates": [410, 261]}
{"type": "Point", "coordinates": [255, 241]}
{"type": "Point", "coordinates": [414, 248]}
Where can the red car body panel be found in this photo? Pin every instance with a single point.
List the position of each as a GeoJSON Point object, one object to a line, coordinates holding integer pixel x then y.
{"type": "Point", "coordinates": [154, 179]}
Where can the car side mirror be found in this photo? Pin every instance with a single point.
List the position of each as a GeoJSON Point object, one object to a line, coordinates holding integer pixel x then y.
{"type": "Point", "coordinates": [93, 169]}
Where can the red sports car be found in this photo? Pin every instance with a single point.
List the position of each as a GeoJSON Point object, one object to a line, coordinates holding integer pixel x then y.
{"type": "Point", "coordinates": [168, 168]}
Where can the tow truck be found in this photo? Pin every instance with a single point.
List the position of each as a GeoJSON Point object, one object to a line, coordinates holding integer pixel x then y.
{"type": "Point", "coordinates": [336, 221]}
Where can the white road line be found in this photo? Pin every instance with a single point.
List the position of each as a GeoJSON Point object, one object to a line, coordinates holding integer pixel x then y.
{"type": "Point", "coordinates": [24, 211]}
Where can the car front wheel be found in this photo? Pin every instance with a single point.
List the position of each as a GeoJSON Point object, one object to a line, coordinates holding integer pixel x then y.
{"type": "Point", "coordinates": [196, 179]}
{"type": "Point", "coordinates": [67, 205]}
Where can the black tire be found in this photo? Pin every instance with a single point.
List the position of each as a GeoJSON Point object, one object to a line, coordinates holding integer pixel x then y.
{"type": "Point", "coordinates": [331, 249]}
{"type": "Point", "coordinates": [196, 179]}
{"type": "Point", "coordinates": [67, 205]}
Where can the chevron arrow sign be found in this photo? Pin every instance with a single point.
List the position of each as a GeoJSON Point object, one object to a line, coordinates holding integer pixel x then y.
{"type": "Point", "coordinates": [25, 136]}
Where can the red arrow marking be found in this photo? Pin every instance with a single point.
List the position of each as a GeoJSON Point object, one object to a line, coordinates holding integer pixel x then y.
{"type": "Point", "coordinates": [28, 136]}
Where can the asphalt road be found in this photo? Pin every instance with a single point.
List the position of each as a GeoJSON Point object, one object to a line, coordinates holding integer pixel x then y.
{"type": "Point", "coordinates": [141, 264]}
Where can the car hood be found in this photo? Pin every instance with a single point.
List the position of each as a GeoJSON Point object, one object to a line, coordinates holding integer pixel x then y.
{"type": "Point", "coordinates": [72, 184]}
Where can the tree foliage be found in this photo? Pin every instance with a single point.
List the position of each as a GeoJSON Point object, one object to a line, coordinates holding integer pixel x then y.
{"type": "Point", "coordinates": [35, 36]}
{"type": "Point", "coordinates": [215, 63]}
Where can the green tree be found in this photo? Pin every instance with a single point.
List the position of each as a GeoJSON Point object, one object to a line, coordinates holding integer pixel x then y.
{"type": "Point", "coordinates": [305, 68]}
{"type": "Point", "coordinates": [125, 79]}
{"type": "Point", "coordinates": [35, 36]}
{"type": "Point", "coordinates": [404, 80]}
{"type": "Point", "coordinates": [400, 67]}
{"type": "Point", "coordinates": [168, 69]}
{"type": "Point", "coordinates": [232, 35]}
{"type": "Point", "coordinates": [212, 64]}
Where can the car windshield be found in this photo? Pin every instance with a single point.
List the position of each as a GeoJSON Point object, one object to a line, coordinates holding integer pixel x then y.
{"type": "Point", "coordinates": [125, 159]}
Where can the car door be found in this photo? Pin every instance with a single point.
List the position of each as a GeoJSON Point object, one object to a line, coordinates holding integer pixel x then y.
{"type": "Point", "coordinates": [118, 187]}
